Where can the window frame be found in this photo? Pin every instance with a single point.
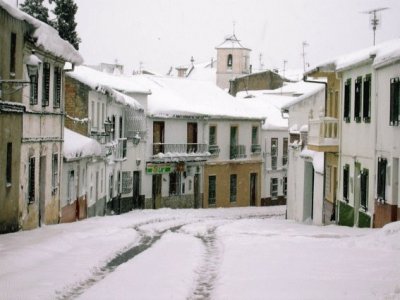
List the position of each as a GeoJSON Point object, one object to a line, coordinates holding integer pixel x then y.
{"type": "Point", "coordinates": [175, 183]}
{"type": "Point", "coordinates": [57, 87]}
{"type": "Point", "coordinates": [381, 179]}
{"type": "Point", "coordinates": [364, 177]}
{"type": "Point", "coordinates": [55, 171]}
{"type": "Point", "coordinates": [13, 53]}
{"type": "Point", "coordinates": [274, 153]}
{"type": "Point", "coordinates": [285, 151]}
{"type": "Point", "coordinates": [274, 185]}
{"type": "Point", "coordinates": [31, 180]}
{"type": "Point", "coordinates": [229, 61]}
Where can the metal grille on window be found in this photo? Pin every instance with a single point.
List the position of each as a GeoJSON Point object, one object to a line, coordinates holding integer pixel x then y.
{"type": "Point", "coordinates": [31, 180]}
{"type": "Point", "coordinates": [46, 84]}
{"type": "Point", "coordinates": [212, 189]}
{"type": "Point", "coordinates": [57, 87]}
{"type": "Point", "coordinates": [233, 187]}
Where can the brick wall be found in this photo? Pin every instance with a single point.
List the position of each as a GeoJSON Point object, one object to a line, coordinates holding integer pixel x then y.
{"type": "Point", "coordinates": [76, 105]}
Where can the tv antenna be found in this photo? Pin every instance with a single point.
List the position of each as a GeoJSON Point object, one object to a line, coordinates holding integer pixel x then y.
{"type": "Point", "coordinates": [375, 18]}
{"type": "Point", "coordinates": [304, 44]}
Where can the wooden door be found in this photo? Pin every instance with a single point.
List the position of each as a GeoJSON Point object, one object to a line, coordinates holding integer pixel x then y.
{"type": "Point", "coordinates": [156, 190]}
{"type": "Point", "coordinates": [192, 137]}
{"type": "Point", "coordinates": [158, 137]}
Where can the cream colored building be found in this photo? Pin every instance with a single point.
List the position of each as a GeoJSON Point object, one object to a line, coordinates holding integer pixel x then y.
{"type": "Point", "coordinates": [233, 60]}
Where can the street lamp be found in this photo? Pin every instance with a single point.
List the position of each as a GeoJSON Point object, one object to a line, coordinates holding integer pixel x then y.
{"type": "Point", "coordinates": [108, 126]}
{"type": "Point", "coordinates": [10, 86]}
{"type": "Point", "coordinates": [136, 139]}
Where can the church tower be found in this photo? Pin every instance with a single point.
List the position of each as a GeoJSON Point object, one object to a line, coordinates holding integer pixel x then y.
{"type": "Point", "coordinates": [233, 60]}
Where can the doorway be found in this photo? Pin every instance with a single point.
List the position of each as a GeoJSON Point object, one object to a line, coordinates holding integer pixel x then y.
{"type": "Point", "coordinates": [253, 189]}
{"type": "Point", "coordinates": [136, 189]}
{"type": "Point", "coordinates": [196, 191]}
{"type": "Point", "coordinates": [395, 191]}
{"type": "Point", "coordinates": [156, 190]}
{"type": "Point", "coordinates": [42, 190]}
{"type": "Point", "coordinates": [357, 190]}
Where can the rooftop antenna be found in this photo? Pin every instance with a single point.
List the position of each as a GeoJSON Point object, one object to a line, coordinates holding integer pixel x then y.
{"type": "Point", "coordinates": [260, 57]}
{"type": "Point", "coordinates": [234, 23]}
{"type": "Point", "coordinates": [284, 69]}
{"type": "Point", "coordinates": [375, 18]}
{"type": "Point", "coordinates": [305, 44]}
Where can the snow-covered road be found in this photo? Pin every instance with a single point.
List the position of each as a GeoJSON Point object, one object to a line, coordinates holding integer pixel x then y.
{"type": "Point", "coordinates": [240, 253]}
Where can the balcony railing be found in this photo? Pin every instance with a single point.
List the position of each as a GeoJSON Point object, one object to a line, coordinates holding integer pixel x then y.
{"type": "Point", "coordinates": [237, 151]}
{"type": "Point", "coordinates": [214, 150]}
{"type": "Point", "coordinates": [121, 148]}
{"type": "Point", "coordinates": [179, 148]}
{"type": "Point", "coordinates": [255, 149]}
{"type": "Point", "coordinates": [323, 132]}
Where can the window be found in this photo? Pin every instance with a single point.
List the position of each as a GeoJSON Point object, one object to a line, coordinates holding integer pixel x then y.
{"type": "Point", "coordinates": [357, 99]}
{"type": "Point", "coordinates": [274, 187]}
{"type": "Point", "coordinates": [57, 87]}
{"type": "Point", "coordinates": [13, 50]}
{"type": "Point", "coordinates": [212, 136]}
{"type": "Point", "coordinates": [119, 182]}
{"type": "Point", "coordinates": [103, 115]}
{"type": "Point", "coordinates": [233, 188]}
{"type": "Point", "coordinates": [31, 180]}
{"type": "Point", "coordinates": [54, 178]}
{"type": "Point", "coordinates": [364, 188]}
{"type": "Point", "coordinates": [274, 153]}
{"type": "Point", "coordinates": [346, 174]}
{"type": "Point", "coordinates": [111, 189]}
{"type": "Point", "coordinates": [174, 183]}
{"type": "Point", "coordinates": [285, 151]}
{"type": "Point", "coordinates": [93, 114]}
{"type": "Point", "coordinates": [367, 99]}
{"type": "Point", "coordinates": [394, 101]}
{"type": "Point", "coordinates": [229, 62]}
{"type": "Point", "coordinates": [98, 116]}
{"type": "Point", "coordinates": [101, 180]}
{"type": "Point", "coordinates": [347, 101]}
{"type": "Point", "coordinates": [120, 127]}
{"type": "Point", "coordinates": [33, 97]}
{"type": "Point", "coordinates": [46, 84]}
{"type": "Point", "coordinates": [70, 188]}
{"type": "Point", "coordinates": [212, 189]}
{"type": "Point", "coordinates": [284, 186]}
{"type": "Point", "coordinates": [255, 147]}
{"type": "Point", "coordinates": [113, 127]}
{"type": "Point", "coordinates": [191, 137]}
{"type": "Point", "coordinates": [9, 164]}
{"type": "Point", "coordinates": [381, 179]}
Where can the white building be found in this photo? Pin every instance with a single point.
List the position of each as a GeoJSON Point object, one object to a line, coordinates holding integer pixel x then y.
{"type": "Point", "coordinates": [97, 108]}
{"type": "Point", "coordinates": [305, 185]}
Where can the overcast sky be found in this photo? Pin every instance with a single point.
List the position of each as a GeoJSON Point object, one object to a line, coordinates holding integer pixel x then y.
{"type": "Point", "coordinates": [164, 33]}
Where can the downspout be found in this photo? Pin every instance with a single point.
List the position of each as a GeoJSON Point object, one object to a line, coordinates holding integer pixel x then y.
{"type": "Point", "coordinates": [325, 112]}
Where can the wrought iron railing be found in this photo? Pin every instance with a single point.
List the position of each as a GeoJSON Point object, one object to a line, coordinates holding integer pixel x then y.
{"type": "Point", "coordinates": [191, 148]}
{"type": "Point", "coordinates": [237, 151]}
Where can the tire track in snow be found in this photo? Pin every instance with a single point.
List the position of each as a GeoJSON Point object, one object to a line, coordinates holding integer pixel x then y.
{"type": "Point", "coordinates": [146, 241]}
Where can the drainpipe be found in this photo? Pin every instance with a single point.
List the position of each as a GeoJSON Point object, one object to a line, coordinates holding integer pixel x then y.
{"type": "Point", "coordinates": [325, 112]}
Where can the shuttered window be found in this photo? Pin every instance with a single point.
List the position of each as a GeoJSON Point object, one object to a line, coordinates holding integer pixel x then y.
{"type": "Point", "coordinates": [367, 99]}
{"type": "Point", "coordinates": [9, 164]}
{"type": "Point", "coordinates": [357, 99]}
{"type": "Point", "coordinates": [394, 101]}
{"type": "Point", "coordinates": [233, 188]}
{"type": "Point", "coordinates": [46, 84]}
{"type": "Point", "coordinates": [347, 101]}
{"type": "Point", "coordinates": [346, 173]}
{"type": "Point", "coordinates": [57, 87]}
{"type": "Point", "coordinates": [31, 180]}
{"type": "Point", "coordinates": [364, 189]}
{"type": "Point", "coordinates": [13, 50]}
{"type": "Point", "coordinates": [381, 179]}
{"type": "Point", "coordinates": [212, 189]}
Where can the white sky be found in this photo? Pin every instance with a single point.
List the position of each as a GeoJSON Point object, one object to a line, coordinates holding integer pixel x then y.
{"type": "Point", "coordinates": [162, 33]}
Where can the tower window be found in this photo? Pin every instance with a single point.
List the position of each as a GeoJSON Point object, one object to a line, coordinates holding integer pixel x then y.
{"type": "Point", "coordinates": [230, 61]}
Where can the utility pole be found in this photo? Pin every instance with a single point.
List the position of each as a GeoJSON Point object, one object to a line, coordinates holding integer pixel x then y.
{"type": "Point", "coordinates": [375, 20]}
{"type": "Point", "coordinates": [305, 44]}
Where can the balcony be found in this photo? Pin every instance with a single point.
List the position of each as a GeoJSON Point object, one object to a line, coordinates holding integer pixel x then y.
{"type": "Point", "coordinates": [180, 152]}
{"type": "Point", "coordinates": [120, 153]}
{"type": "Point", "coordinates": [237, 151]}
{"type": "Point", "coordinates": [323, 134]}
{"type": "Point", "coordinates": [214, 150]}
{"type": "Point", "coordinates": [255, 149]}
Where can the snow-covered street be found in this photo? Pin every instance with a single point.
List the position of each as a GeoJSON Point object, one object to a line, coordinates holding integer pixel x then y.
{"type": "Point", "coordinates": [243, 253]}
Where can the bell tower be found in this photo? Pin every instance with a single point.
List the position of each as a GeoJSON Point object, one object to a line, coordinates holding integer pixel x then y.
{"type": "Point", "coordinates": [233, 60]}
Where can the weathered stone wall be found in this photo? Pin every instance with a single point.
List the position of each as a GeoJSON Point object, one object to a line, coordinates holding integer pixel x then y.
{"type": "Point", "coordinates": [267, 80]}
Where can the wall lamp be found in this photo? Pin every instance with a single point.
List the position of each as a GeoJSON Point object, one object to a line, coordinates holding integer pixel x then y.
{"type": "Point", "coordinates": [10, 86]}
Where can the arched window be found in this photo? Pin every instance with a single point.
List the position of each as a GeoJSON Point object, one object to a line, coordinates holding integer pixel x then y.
{"type": "Point", "coordinates": [229, 62]}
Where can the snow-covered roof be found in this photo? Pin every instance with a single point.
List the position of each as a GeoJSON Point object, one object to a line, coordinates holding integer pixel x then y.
{"type": "Point", "coordinates": [271, 105]}
{"type": "Point", "coordinates": [307, 90]}
{"type": "Point", "coordinates": [45, 36]}
{"type": "Point", "coordinates": [95, 79]}
{"type": "Point", "coordinates": [231, 42]}
{"type": "Point", "coordinates": [79, 146]}
{"type": "Point", "coordinates": [379, 55]}
{"type": "Point", "coordinates": [120, 97]}
{"type": "Point", "coordinates": [185, 97]}
{"type": "Point", "coordinates": [317, 159]}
